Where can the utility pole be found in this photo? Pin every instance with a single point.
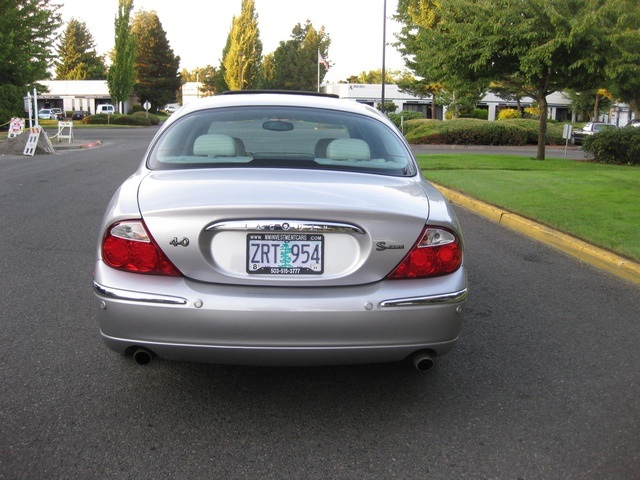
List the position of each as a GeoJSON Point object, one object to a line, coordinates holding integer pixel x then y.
{"type": "Point", "coordinates": [384, 45]}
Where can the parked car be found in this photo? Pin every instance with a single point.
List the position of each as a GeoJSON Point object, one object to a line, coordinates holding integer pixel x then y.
{"type": "Point", "coordinates": [46, 114]}
{"type": "Point", "coordinates": [79, 115]}
{"type": "Point", "coordinates": [106, 109]}
{"type": "Point", "coordinates": [633, 123]}
{"type": "Point", "coordinates": [590, 128]}
{"type": "Point", "coordinates": [279, 229]}
{"type": "Point", "coordinates": [57, 113]}
{"type": "Point", "coordinates": [171, 108]}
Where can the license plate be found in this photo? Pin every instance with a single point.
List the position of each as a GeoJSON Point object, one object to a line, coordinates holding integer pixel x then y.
{"type": "Point", "coordinates": [285, 254]}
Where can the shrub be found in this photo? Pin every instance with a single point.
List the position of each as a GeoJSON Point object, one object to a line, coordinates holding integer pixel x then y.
{"type": "Point", "coordinates": [479, 113]}
{"type": "Point", "coordinates": [98, 119]}
{"type": "Point", "coordinates": [507, 113]}
{"type": "Point", "coordinates": [134, 120]}
{"type": "Point", "coordinates": [153, 119]}
{"type": "Point", "coordinates": [532, 112]}
{"type": "Point", "coordinates": [616, 146]}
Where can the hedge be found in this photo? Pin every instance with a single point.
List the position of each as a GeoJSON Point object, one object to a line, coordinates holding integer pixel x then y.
{"type": "Point", "coordinates": [617, 146]}
{"type": "Point", "coordinates": [468, 131]}
{"type": "Point", "coordinates": [117, 119]}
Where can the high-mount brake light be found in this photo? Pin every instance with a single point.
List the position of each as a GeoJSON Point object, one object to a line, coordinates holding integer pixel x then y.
{"type": "Point", "coordinates": [127, 246]}
{"type": "Point", "coordinates": [437, 252]}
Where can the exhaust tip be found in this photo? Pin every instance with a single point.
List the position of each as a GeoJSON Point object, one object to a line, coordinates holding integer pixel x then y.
{"type": "Point", "coordinates": [142, 356]}
{"type": "Point", "coordinates": [423, 360]}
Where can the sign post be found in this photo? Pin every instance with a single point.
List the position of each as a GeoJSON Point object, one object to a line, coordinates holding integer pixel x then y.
{"type": "Point", "coordinates": [566, 134]}
{"type": "Point", "coordinates": [146, 107]}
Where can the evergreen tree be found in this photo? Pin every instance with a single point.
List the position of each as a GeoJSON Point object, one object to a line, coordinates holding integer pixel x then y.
{"type": "Point", "coordinates": [209, 78]}
{"type": "Point", "coordinates": [219, 81]}
{"type": "Point", "coordinates": [121, 75]}
{"type": "Point", "coordinates": [242, 60]}
{"type": "Point", "coordinates": [295, 62]}
{"type": "Point", "coordinates": [77, 55]}
{"type": "Point", "coordinates": [27, 32]}
{"type": "Point", "coordinates": [156, 65]}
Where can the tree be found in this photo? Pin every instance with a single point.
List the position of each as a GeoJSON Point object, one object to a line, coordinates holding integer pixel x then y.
{"type": "Point", "coordinates": [242, 59]}
{"type": "Point", "coordinates": [549, 45]}
{"type": "Point", "coordinates": [510, 89]}
{"type": "Point", "coordinates": [220, 80]}
{"type": "Point", "coordinates": [448, 87]}
{"type": "Point", "coordinates": [27, 33]}
{"type": "Point", "coordinates": [373, 77]}
{"type": "Point", "coordinates": [77, 55]}
{"type": "Point", "coordinates": [156, 65]}
{"type": "Point", "coordinates": [121, 74]}
{"type": "Point", "coordinates": [422, 89]}
{"type": "Point", "coordinates": [623, 69]}
{"type": "Point", "coordinates": [209, 78]}
{"type": "Point", "coordinates": [294, 64]}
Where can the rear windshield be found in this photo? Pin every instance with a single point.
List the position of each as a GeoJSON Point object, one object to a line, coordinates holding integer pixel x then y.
{"type": "Point", "coordinates": [281, 137]}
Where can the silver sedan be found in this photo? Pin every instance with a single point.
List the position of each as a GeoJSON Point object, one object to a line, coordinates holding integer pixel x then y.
{"type": "Point", "coordinates": [279, 229]}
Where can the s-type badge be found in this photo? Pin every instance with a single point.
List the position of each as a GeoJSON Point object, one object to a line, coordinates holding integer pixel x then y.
{"type": "Point", "coordinates": [381, 246]}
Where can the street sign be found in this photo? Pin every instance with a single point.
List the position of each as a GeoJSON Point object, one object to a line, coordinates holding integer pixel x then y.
{"type": "Point", "coordinates": [147, 105]}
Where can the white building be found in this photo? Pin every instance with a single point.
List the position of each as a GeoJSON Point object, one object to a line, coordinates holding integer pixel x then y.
{"type": "Point", "coordinates": [559, 104]}
{"type": "Point", "coordinates": [191, 91]}
{"type": "Point", "coordinates": [72, 95]}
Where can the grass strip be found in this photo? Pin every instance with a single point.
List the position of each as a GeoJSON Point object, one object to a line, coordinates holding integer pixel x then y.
{"type": "Point", "coordinates": [597, 203]}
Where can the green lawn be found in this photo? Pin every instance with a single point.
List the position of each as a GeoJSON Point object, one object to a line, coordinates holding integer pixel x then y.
{"type": "Point", "coordinates": [594, 202]}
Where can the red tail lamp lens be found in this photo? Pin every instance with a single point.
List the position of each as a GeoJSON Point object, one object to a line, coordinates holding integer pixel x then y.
{"type": "Point", "coordinates": [127, 246]}
{"type": "Point", "coordinates": [438, 252]}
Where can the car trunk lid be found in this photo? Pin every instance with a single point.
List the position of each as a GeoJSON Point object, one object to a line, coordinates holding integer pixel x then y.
{"type": "Point", "coordinates": [283, 226]}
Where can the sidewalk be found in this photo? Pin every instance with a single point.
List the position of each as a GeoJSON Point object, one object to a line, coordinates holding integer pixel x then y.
{"type": "Point", "coordinates": [597, 257]}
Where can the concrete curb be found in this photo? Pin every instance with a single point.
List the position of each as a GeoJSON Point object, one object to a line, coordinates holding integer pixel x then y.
{"type": "Point", "coordinates": [597, 257]}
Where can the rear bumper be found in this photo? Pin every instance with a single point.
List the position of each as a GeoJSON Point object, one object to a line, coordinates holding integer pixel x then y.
{"type": "Point", "coordinates": [184, 320]}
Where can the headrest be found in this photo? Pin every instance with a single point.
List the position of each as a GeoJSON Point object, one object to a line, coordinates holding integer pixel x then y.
{"type": "Point", "coordinates": [321, 147]}
{"type": "Point", "coordinates": [348, 149]}
{"type": "Point", "coordinates": [214, 145]}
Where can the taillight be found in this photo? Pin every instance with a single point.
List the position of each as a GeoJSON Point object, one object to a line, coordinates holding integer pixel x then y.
{"type": "Point", "coordinates": [438, 252]}
{"type": "Point", "coordinates": [127, 246]}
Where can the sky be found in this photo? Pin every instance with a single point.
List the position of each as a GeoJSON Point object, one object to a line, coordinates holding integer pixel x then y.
{"type": "Point", "coordinates": [197, 30]}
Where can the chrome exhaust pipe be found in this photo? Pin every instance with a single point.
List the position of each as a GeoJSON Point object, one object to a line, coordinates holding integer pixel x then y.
{"type": "Point", "coordinates": [142, 356]}
{"type": "Point", "coordinates": [423, 360]}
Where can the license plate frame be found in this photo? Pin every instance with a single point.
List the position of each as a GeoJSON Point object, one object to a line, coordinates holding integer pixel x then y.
{"type": "Point", "coordinates": [285, 254]}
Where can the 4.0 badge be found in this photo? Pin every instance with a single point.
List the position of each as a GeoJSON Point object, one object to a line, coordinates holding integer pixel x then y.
{"type": "Point", "coordinates": [175, 242]}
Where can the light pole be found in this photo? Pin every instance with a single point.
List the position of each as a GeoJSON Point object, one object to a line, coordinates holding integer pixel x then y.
{"type": "Point", "coordinates": [384, 45]}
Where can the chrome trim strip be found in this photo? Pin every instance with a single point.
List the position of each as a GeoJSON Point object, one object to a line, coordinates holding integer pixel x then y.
{"type": "Point", "coordinates": [430, 300]}
{"type": "Point", "coordinates": [117, 294]}
{"type": "Point", "coordinates": [284, 226]}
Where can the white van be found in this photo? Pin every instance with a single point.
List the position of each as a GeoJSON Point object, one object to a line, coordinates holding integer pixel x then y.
{"type": "Point", "coordinates": [106, 108]}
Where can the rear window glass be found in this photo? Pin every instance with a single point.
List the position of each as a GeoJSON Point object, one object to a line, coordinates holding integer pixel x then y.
{"type": "Point", "coordinates": [281, 137]}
